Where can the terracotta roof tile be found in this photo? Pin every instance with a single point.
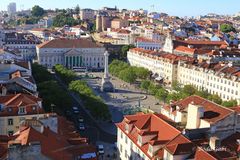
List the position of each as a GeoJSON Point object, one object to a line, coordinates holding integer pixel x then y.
{"type": "Point", "coordinates": [212, 111]}
{"type": "Point", "coordinates": [69, 43]}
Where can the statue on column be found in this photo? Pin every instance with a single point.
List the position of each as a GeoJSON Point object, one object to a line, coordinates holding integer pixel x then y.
{"type": "Point", "coordinates": [107, 86]}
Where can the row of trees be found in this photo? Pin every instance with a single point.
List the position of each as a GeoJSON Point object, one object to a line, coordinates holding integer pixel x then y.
{"type": "Point", "coordinates": [181, 93]}
{"type": "Point", "coordinates": [65, 74]}
{"type": "Point", "coordinates": [92, 102]}
{"type": "Point", "coordinates": [126, 72]}
{"type": "Point", "coordinates": [54, 97]}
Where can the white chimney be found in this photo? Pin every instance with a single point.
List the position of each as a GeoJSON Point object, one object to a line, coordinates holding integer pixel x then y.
{"type": "Point", "coordinates": [194, 115]}
{"type": "Point", "coordinates": [214, 143]}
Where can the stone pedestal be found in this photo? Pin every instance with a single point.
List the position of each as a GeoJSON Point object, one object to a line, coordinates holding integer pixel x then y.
{"type": "Point", "coordinates": [107, 86]}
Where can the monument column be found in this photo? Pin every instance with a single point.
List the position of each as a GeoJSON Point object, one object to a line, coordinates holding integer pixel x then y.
{"type": "Point", "coordinates": [107, 86]}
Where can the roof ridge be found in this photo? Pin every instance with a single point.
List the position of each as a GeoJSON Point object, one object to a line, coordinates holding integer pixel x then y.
{"type": "Point", "coordinates": [13, 98]}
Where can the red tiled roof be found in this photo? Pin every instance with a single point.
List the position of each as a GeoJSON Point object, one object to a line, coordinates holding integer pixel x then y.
{"type": "Point", "coordinates": [69, 43]}
{"type": "Point", "coordinates": [185, 49]}
{"type": "Point", "coordinates": [236, 109]}
{"type": "Point", "coordinates": [53, 145]}
{"type": "Point", "coordinates": [151, 124]}
{"type": "Point", "coordinates": [180, 145]}
{"type": "Point", "coordinates": [19, 100]}
{"type": "Point", "coordinates": [212, 111]}
{"type": "Point", "coordinates": [200, 154]}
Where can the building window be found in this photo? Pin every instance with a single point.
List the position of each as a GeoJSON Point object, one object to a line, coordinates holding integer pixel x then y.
{"type": "Point", "coordinates": [21, 119]}
{"type": "Point", "coordinates": [21, 110]}
{"type": "Point", "coordinates": [10, 121]}
{"type": "Point", "coordinates": [120, 148]}
{"type": "Point", "coordinates": [9, 109]}
{"type": "Point", "coordinates": [126, 139]}
{"type": "Point", "coordinates": [126, 127]}
{"type": "Point", "coordinates": [121, 134]}
{"type": "Point", "coordinates": [10, 133]}
{"type": "Point", "coordinates": [126, 156]}
{"type": "Point", "coordinates": [150, 149]}
{"type": "Point", "coordinates": [140, 139]}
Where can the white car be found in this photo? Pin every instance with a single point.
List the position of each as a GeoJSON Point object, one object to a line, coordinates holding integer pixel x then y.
{"type": "Point", "coordinates": [100, 149]}
{"type": "Point", "coordinates": [75, 110]}
{"type": "Point", "coordinates": [81, 126]}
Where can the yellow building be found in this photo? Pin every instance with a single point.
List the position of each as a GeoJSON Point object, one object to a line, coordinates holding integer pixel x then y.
{"type": "Point", "coordinates": [16, 108]}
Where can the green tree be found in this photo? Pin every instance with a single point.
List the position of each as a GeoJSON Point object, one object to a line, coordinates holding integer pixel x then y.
{"type": "Point", "coordinates": [145, 84]}
{"type": "Point", "coordinates": [124, 51]}
{"type": "Point", "coordinates": [152, 88]}
{"type": "Point", "coordinates": [226, 28]}
{"type": "Point", "coordinates": [64, 19]}
{"type": "Point", "coordinates": [215, 98]}
{"type": "Point", "coordinates": [141, 73]}
{"type": "Point", "coordinates": [176, 86]}
{"type": "Point", "coordinates": [230, 103]}
{"type": "Point", "coordinates": [162, 94]}
{"type": "Point", "coordinates": [128, 75]}
{"type": "Point", "coordinates": [77, 9]}
{"type": "Point", "coordinates": [189, 90]}
{"type": "Point", "coordinates": [37, 11]}
{"type": "Point", "coordinates": [173, 97]}
{"type": "Point", "coordinates": [202, 93]}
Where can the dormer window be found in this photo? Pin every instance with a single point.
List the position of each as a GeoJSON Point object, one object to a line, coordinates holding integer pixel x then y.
{"type": "Point", "coordinates": [140, 140]}
{"type": "Point", "coordinates": [22, 110]}
{"type": "Point", "coordinates": [1, 107]}
{"type": "Point", "coordinates": [9, 109]}
{"type": "Point", "coordinates": [126, 127]}
{"type": "Point", "coordinates": [150, 149]}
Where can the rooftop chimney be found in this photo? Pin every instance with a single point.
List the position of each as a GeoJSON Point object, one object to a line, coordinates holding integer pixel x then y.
{"type": "Point", "coordinates": [214, 143]}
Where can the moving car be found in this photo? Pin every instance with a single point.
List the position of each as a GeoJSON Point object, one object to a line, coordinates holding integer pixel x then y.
{"type": "Point", "coordinates": [81, 126]}
{"type": "Point", "coordinates": [75, 110]}
{"type": "Point", "coordinates": [80, 119]}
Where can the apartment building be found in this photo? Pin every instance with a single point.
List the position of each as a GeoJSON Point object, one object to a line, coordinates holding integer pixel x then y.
{"type": "Point", "coordinates": [118, 23]}
{"type": "Point", "coordinates": [151, 137]}
{"type": "Point", "coordinates": [147, 44]}
{"type": "Point", "coordinates": [16, 108]}
{"type": "Point", "coordinates": [24, 43]}
{"type": "Point", "coordinates": [46, 138]}
{"type": "Point", "coordinates": [219, 78]}
{"type": "Point", "coordinates": [222, 79]}
{"type": "Point", "coordinates": [86, 14]}
{"type": "Point", "coordinates": [163, 65]}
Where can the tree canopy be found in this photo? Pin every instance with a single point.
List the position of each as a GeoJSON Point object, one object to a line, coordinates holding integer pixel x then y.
{"type": "Point", "coordinates": [37, 11]}
{"type": "Point", "coordinates": [226, 28]}
{"type": "Point", "coordinates": [64, 19]}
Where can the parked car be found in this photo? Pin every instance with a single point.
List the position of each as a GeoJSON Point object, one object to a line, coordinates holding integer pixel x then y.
{"type": "Point", "coordinates": [80, 119]}
{"type": "Point", "coordinates": [100, 149]}
{"type": "Point", "coordinates": [75, 110]}
{"type": "Point", "coordinates": [81, 126]}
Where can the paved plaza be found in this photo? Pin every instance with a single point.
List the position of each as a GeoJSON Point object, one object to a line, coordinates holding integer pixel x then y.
{"type": "Point", "coordinates": [126, 97]}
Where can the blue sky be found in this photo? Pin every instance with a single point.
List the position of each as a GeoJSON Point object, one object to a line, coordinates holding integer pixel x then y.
{"type": "Point", "coordinates": [172, 7]}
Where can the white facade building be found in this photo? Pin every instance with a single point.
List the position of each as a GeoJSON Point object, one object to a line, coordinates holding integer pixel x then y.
{"type": "Point", "coordinates": [148, 44]}
{"type": "Point", "coordinates": [216, 78]}
{"type": "Point", "coordinates": [71, 53]}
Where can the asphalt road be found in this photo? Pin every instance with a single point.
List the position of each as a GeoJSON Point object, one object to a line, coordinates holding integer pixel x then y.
{"type": "Point", "coordinates": [93, 131]}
